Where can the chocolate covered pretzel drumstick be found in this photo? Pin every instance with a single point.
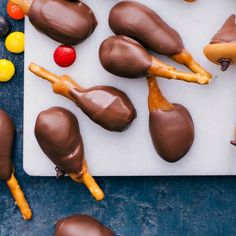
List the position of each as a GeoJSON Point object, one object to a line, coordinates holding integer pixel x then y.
{"type": "Point", "coordinates": [81, 225]}
{"type": "Point", "coordinates": [222, 48]}
{"type": "Point", "coordinates": [170, 125]}
{"type": "Point", "coordinates": [58, 134]}
{"type": "Point", "coordinates": [68, 22]}
{"type": "Point", "coordinates": [107, 106]}
{"type": "Point", "coordinates": [125, 57]}
{"type": "Point", "coordinates": [137, 21]}
{"type": "Point", "coordinates": [7, 132]}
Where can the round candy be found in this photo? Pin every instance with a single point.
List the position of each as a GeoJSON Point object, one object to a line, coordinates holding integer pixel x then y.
{"type": "Point", "coordinates": [15, 42]}
{"type": "Point", "coordinates": [64, 56]}
{"type": "Point", "coordinates": [15, 11]}
{"type": "Point", "coordinates": [4, 26]}
{"type": "Point", "coordinates": [7, 70]}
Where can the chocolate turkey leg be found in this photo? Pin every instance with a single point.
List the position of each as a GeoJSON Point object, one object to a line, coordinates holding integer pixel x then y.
{"type": "Point", "coordinates": [125, 57]}
{"type": "Point", "coordinates": [81, 225]}
{"type": "Point", "coordinates": [58, 134]}
{"type": "Point", "coordinates": [171, 126]}
{"type": "Point", "coordinates": [107, 106]}
{"type": "Point", "coordinates": [68, 22]}
{"type": "Point", "coordinates": [222, 48]}
{"type": "Point", "coordinates": [7, 132]}
{"type": "Point", "coordinates": [144, 25]}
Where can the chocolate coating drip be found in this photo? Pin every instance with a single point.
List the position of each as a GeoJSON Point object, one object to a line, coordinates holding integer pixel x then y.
{"type": "Point", "coordinates": [107, 106]}
{"type": "Point", "coordinates": [68, 22]}
{"type": "Point", "coordinates": [81, 225]}
{"type": "Point", "coordinates": [172, 132]}
{"type": "Point", "coordinates": [58, 134]}
{"type": "Point", "coordinates": [141, 23]}
{"type": "Point", "coordinates": [123, 56]}
{"type": "Point", "coordinates": [227, 33]}
{"type": "Point", "coordinates": [7, 132]}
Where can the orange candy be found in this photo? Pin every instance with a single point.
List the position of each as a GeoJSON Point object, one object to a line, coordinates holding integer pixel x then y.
{"type": "Point", "coordinates": [14, 11]}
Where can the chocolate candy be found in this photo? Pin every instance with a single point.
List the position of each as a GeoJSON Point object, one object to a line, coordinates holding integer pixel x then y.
{"type": "Point", "coordinates": [117, 52]}
{"type": "Point", "coordinates": [81, 225]}
{"type": "Point", "coordinates": [7, 132]}
{"type": "Point", "coordinates": [7, 70]}
{"type": "Point", "coordinates": [15, 42]}
{"type": "Point", "coordinates": [107, 106]}
{"type": "Point", "coordinates": [143, 24]}
{"type": "Point", "coordinates": [58, 134]}
{"type": "Point", "coordinates": [222, 48]}
{"type": "Point", "coordinates": [68, 22]}
{"type": "Point", "coordinates": [172, 132]}
{"type": "Point", "coordinates": [4, 26]}
{"type": "Point", "coordinates": [64, 56]}
{"type": "Point", "coordinates": [14, 11]}
{"type": "Point", "coordinates": [170, 125]}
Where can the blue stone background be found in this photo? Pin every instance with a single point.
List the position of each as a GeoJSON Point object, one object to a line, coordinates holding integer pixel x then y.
{"type": "Point", "coordinates": [134, 206]}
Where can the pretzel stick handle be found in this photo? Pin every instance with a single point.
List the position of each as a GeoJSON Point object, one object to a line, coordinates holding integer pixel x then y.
{"type": "Point", "coordinates": [92, 186]}
{"type": "Point", "coordinates": [186, 59]}
{"type": "Point", "coordinates": [89, 181]}
{"type": "Point", "coordinates": [155, 98]}
{"type": "Point", "coordinates": [43, 73]}
{"type": "Point", "coordinates": [158, 70]}
{"type": "Point", "coordinates": [19, 197]}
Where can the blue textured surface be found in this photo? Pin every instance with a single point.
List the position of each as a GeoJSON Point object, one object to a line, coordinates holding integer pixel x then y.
{"type": "Point", "coordinates": [133, 206]}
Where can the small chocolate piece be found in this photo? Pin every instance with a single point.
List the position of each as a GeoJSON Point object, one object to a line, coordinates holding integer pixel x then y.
{"type": "Point", "coordinates": [58, 134]}
{"type": "Point", "coordinates": [227, 33]}
{"type": "Point", "coordinates": [123, 56]}
{"type": "Point", "coordinates": [144, 25]}
{"type": "Point", "coordinates": [81, 225]}
{"type": "Point", "coordinates": [7, 132]}
{"type": "Point", "coordinates": [68, 22]}
{"type": "Point", "coordinates": [106, 106]}
{"type": "Point", "coordinates": [172, 132]}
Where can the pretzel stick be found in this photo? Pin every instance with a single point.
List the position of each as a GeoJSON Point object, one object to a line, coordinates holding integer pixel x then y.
{"type": "Point", "coordinates": [60, 84]}
{"type": "Point", "coordinates": [155, 98]}
{"type": "Point", "coordinates": [160, 69]}
{"type": "Point", "coordinates": [89, 181]}
{"type": "Point", "coordinates": [186, 59]}
{"type": "Point", "coordinates": [23, 4]}
{"type": "Point", "coordinates": [19, 197]}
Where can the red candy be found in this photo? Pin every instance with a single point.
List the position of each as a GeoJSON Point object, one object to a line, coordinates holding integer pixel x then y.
{"type": "Point", "coordinates": [64, 56]}
{"type": "Point", "coordinates": [14, 11]}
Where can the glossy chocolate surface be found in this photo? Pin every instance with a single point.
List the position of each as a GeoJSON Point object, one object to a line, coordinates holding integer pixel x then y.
{"type": "Point", "coordinates": [68, 22]}
{"type": "Point", "coordinates": [125, 57]}
{"type": "Point", "coordinates": [81, 225]}
{"type": "Point", "coordinates": [107, 106]}
{"type": "Point", "coordinates": [7, 132]}
{"type": "Point", "coordinates": [144, 25]}
{"type": "Point", "coordinates": [227, 33]}
{"type": "Point", "coordinates": [172, 132]}
{"type": "Point", "coordinates": [58, 134]}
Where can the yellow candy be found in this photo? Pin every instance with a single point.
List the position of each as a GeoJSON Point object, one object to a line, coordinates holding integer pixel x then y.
{"type": "Point", "coordinates": [15, 42]}
{"type": "Point", "coordinates": [7, 70]}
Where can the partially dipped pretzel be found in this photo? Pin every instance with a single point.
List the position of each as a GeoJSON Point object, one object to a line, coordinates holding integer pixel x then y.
{"type": "Point", "coordinates": [170, 125]}
{"type": "Point", "coordinates": [222, 48]}
{"type": "Point", "coordinates": [58, 134]}
{"type": "Point", "coordinates": [139, 22]}
{"type": "Point", "coordinates": [105, 105]}
{"type": "Point", "coordinates": [125, 57]}
{"type": "Point", "coordinates": [7, 132]}
{"type": "Point", "coordinates": [68, 22]}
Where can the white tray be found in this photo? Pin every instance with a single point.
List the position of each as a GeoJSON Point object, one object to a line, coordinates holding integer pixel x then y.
{"type": "Point", "coordinates": [212, 107]}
